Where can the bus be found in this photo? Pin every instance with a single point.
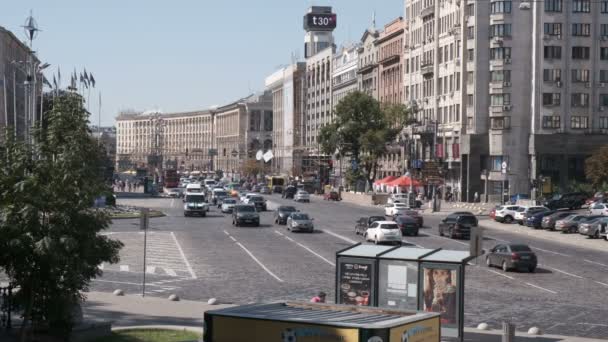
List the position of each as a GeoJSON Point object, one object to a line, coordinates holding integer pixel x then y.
{"type": "Point", "coordinates": [170, 179]}
{"type": "Point", "coordinates": [273, 181]}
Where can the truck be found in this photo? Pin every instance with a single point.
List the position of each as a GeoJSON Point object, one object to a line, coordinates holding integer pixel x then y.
{"type": "Point", "coordinates": [301, 321]}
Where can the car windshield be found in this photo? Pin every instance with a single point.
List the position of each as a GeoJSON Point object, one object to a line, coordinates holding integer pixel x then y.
{"type": "Point", "coordinates": [299, 216]}
{"type": "Point", "coordinates": [520, 248]}
{"type": "Point", "coordinates": [221, 193]}
{"type": "Point", "coordinates": [411, 213]}
{"type": "Point", "coordinates": [556, 197]}
{"type": "Point", "coordinates": [375, 218]}
{"type": "Point", "coordinates": [257, 198]}
{"type": "Point", "coordinates": [195, 198]}
{"type": "Point", "coordinates": [287, 209]}
{"type": "Point", "coordinates": [389, 226]}
{"type": "Point", "coordinates": [521, 210]}
{"type": "Point", "coordinates": [579, 218]}
{"type": "Point", "coordinates": [229, 201]}
{"type": "Point", "coordinates": [404, 219]}
{"type": "Point", "coordinates": [467, 219]}
{"type": "Point", "coordinates": [246, 209]}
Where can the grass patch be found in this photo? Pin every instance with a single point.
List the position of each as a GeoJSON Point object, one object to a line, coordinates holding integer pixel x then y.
{"type": "Point", "coordinates": [151, 335]}
{"type": "Point", "coordinates": [153, 213]}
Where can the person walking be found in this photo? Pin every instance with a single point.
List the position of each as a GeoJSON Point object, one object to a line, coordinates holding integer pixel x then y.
{"type": "Point", "coordinates": [319, 298]}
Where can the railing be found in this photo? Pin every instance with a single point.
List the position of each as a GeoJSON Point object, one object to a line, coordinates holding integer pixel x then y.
{"type": "Point", "coordinates": [6, 307]}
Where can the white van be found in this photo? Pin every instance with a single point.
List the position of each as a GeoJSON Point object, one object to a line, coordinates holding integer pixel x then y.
{"type": "Point", "coordinates": [194, 187]}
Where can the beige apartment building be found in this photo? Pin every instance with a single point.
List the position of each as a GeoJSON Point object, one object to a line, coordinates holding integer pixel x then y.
{"type": "Point", "coordinates": [367, 67]}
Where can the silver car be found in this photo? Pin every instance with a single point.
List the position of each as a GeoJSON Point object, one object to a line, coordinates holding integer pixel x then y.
{"type": "Point", "coordinates": [593, 228]}
{"type": "Point", "coordinates": [228, 204]}
{"type": "Point", "coordinates": [302, 196]}
{"type": "Point", "coordinates": [300, 222]}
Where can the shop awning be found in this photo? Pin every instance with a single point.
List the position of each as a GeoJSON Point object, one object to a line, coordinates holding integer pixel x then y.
{"type": "Point", "coordinates": [385, 180]}
{"type": "Point", "coordinates": [404, 181]}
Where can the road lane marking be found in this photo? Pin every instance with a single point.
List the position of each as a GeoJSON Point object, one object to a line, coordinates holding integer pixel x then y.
{"type": "Point", "coordinates": [599, 282]}
{"type": "Point", "coordinates": [501, 274]}
{"type": "Point", "coordinates": [259, 263]}
{"type": "Point", "coordinates": [124, 268]}
{"type": "Point", "coordinates": [151, 269]}
{"type": "Point", "coordinates": [306, 248]}
{"type": "Point", "coordinates": [181, 252]}
{"type": "Point", "coordinates": [338, 236]}
{"type": "Point", "coordinates": [232, 238]}
{"type": "Point", "coordinates": [552, 252]}
{"type": "Point", "coordinates": [129, 283]}
{"type": "Point", "coordinates": [170, 272]}
{"type": "Point", "coordinates": [411, 243]}
{"type": "Point", "coordinates": [541, 288]}
{"type": "Point", "coordinates": [595, 262]}
{"type": "Point", "coordinates": [560, 271]}
{"type": "Point", "coordinates": [225, 232]}
{"type": "Point", "coordinates": [447, 238]}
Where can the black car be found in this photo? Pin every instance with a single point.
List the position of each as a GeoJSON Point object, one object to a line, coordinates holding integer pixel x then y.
{"type": "Point", "coordinates": [259, 202]}
{"type": "Point", "coordinates": [364, 222]}
{"type": "Point", "coordinates": [512, 256]}
{"type": "Point", "coordinates": [289, 192]}
{"type": "Point", "coordinates": [573, 200]}
{"type": "Point", "coordinates": [408, 225]}
{"type": "Point", "coordinates": [282, 213]}
{"type": "Point", "coordinates": [244, 213]}
{"type": "Point", "coordinates": [277, 189]}
{"type": "Point", "coordinates": [458, 225]}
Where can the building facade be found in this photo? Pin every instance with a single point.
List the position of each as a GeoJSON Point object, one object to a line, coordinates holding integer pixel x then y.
{"type": "Point", "coordinates": [367, 68]}
{"type": "Point", "coordinates": [344, 73]}
{"type": "Point", "coordinates": [288, 93]}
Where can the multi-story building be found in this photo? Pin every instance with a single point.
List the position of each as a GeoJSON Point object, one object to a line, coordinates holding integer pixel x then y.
{"type": "Point", "coordinates": [344, 73]}
{"type": "Point", "coordinates": [243, 128]}
{"type": "Point", "coordinates": [367, 68]}
{"type": "Point", "coordinates": [288, 94]}
{"type": "Point", "coordinates": [180, 140]}
{"type": "Point", "coordinates": [15, 92]}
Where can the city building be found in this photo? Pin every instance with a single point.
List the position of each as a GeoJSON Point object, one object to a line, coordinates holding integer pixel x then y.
{"type": "Point", "coordinates": [344, 73]}
{"type": "Point", "coordinates": [288, 94]}
{"type": "Point", "coordinates": [174, 140]}
{"type": "Point", "coordinates": [15, 87]}
{"type": "Point", "coordinates": [242, 129]}
{"type": "Point", "coordinates": [367, 68]}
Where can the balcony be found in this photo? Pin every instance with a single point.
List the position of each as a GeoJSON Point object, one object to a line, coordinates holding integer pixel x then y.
{"type": "Point", "coordinates": [427, 69]}
{"type": "Point", "coordinates": [428, 11]}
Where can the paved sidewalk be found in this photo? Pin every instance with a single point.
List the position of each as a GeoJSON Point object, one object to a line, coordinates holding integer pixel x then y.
{"type": "Point", "coordinates": [132, 311]}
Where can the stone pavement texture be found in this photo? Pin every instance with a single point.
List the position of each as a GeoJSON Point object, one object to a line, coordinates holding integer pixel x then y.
{"type": "Point", "coordinates": [132, 311]}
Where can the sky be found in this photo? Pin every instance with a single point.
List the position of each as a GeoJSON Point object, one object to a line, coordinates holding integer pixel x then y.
{"type": "Point", "coordinates": [178, 55]}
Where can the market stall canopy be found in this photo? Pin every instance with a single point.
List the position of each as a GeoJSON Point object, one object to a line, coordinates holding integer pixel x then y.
{"type": "Point", "coordinates": [385, 180]}
{"type": "Point", "coordinates": [404, 181]}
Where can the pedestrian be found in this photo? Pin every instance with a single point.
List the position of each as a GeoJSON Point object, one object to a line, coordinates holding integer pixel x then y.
{"type": "Point", "coordinates": [319, 298]}
{"type": "Point", "coordinates": [122, 186]}
{"type": "Point", "coordinates": [129, 185]}
{"type": "Point", "coordinates": [476, 197]}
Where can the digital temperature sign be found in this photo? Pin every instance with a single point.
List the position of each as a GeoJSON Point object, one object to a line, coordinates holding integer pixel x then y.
{"type": "Point", "coordinates": [320, 21]}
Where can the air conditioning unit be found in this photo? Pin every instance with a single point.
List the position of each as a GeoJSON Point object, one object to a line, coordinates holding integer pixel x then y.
{"type": "Point", "coordinates": [506, 108]}
{"type": "Point", "coordinates": [507, 60]}
{"type": "Point", "coordinates": [558, 84]}
{"type": "Point", "coordinates": [588, 85]}
{"type": "Point", "coordinates": [506, 84]}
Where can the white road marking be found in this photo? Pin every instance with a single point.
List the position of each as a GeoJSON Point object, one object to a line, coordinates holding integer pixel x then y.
{"type": "Point", "coordinates": [595, 262]}
{"type": "Point", "coordinates": [276, 231]}
{"type": "Point", "coordinates": [599, 282]}
{"type": "Point", "coordinates": [497, 239]}
{"type": "Point", "coordinates": [500, 274]}
{"type": "Point", "coordinates": [552, 252]}
{"type": "Point", "coordinates": [172, 202]}
{"type": "Point", "coordinates": [259, 263]}
{"type": "Point", "coordinates": [290, 239]}
{"type": "Point", "coordinates": [225, 232]}
{"type": "Point", "coordinates": [339, 236]}
{"type": "Point", "coordinates": [597, 324]}
{"type": "Point", "coordinates": [181, 252]}
{"type": "Point", "coordinates": [232, 238]}
{"type": "Point", "coordinates": [411, 243]}
{"type": "Point", "coordinates": [124, 268]}
{"type": "Point", "coordinates": [560, 271]}
{"type": "Point", "coordinates": [151, 269]}
{"type": "Point", "coordinates": [541, 288]}
{"type": "Point", "coordinates": [306, 248]}
{"type": "Point", "coordinates": [170, 272]}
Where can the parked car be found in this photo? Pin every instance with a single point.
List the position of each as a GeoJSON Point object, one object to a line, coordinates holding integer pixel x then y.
{"type": "Point", "coordinates": [573, 200]}
{"type": "Point", "coordinates": [258, 201]}
{"type": "Point", "coordinates": [584, 220]}
{"type": "Point", "coordinates": [548, 222]}
{"type": "Point", "coordinates": [245, 213]}
{"type": "Point", "coordinates": [363, 223]}
{"type": "Point", "coordinates": [408, 225]}
{"type": "Point", "coordinates": [520, 214]}
{"type": "Point", "coordinates": [505, 213]}
{"type": "Point", "coordinates": [282, 213]}
{"type": "Point", "coordinates": [384, 231]}
{"type": "Point", "coordinates": [289, 192]}
{"type": "Point", "coordinates": [597, 197]}
{"type": "Point", "coordinates": [300, 222]}
{"type": "Point", "coordinates": [594, 228]}
{"type": "Point", "coordinates": [598, 209]}
{"type": "Point", "coordinates": [332, 196]}
{"type": "Point", "coordinates": [535, 219]}
{"type": "Point", "coordinates": [397, 198]}
{"type": "Point", "coordinates": [195, 204]}
{"type": "Point", "coordinates": [457, 225]}
{"type": "Point", "coordinates": [302, 196]}
{"type": "Point", "coordinates": [393, 209]}
{"type": "Point", "coordinates": [227, 205]}
{"type": "Point", "coordinates": [512, 256]}
{"type": "Point", "coordinates": [265, 190]}
{"type": "Point", "coordinates": [569, 223]}
{"type": "Point", "coordinates": [415, 215]}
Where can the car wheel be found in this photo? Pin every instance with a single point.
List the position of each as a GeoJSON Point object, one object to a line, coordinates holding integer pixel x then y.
{"type": "Point", "coordinates": [505, 267]}
{"type": "Point", "coordinates": [233, 223]}
{"type": "Point", "coordinates": [440, 232]}
{"type": "Point", "coordinates": [204, 214]}
{"type": "Point", "coordinates": [488, 262]}
{"type": "Point", "coordinates": [416, 233]}
{"type": "Point", "coordinates": [508, 219]}
{"type": "Point", "coordinates": [531, 269]}
{"type": "Point", "coordinates": [451, 233]}
{"type": "Point", "coordinates": [596, 235]}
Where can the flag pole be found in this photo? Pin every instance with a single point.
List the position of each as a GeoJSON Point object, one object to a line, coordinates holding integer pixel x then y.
{"type": "Point", "coordinates": [5, 102]}
{"type": "Point", "coordinates": [99, 119]}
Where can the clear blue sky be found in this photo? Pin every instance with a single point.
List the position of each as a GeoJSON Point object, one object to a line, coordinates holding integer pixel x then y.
{"type": "Point", "coordinates": [178, 55]}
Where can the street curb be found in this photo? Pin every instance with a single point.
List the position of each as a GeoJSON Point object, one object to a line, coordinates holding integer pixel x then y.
{"type": "Point", "coordinates": [153, 214]}
{"type": "Point", "coordinates": [523, 335]}
{"type": "Point", "coordinates": [197, 330]}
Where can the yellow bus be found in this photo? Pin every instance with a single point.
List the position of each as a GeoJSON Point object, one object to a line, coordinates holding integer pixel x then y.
{"type": "Point", "coordinates": [273, 181]}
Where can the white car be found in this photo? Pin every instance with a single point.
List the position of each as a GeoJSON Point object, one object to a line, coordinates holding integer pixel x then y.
{"type": "Point", "coordinates": [520, 214]}
{"type": "Point", "coordinates": [384, 231]}
{"type": "Point", "coordinates": [395, 209]}
{"type": "Point", "coordinates": [302, 196]}
{"type": "Point", "coordinates": [506, 213]}
{"type": "Point", "coordinates": [598, 209]}
{"type": "Point", "coordinates": [245, 197]}
{"type": "Point", "coordinates": [228, 204]}
{"type": "Point", "coordinates": [397, 198]}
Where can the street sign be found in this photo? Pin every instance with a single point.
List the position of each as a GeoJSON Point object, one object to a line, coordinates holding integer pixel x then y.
{"type": "Point", "coordinates": [431, 170]}
{"type": "Point", "coordinates": [259, 155]}
{"type": "Point", "coordinates": [212, 152]}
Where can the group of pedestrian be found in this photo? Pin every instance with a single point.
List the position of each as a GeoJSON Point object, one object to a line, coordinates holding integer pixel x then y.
{"type": "Point", "coordinates": [127, 185]}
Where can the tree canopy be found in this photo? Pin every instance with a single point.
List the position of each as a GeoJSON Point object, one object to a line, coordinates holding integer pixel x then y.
{"type": "Point", "coordinates": [596, 167]}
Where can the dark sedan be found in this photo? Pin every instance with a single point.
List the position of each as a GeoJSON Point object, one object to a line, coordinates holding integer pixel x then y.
{"type": "Point", "coordinates": [415, 215]}
{"type": "Point", "coordinates": [282, 213]}
{"type": "Point", "coordinates": [535, 220]}
{"type": "Point", "coordinates": [408, 225]}
{"type": "Point", "coordinates": [549, 221]}
{"type": "Point", "coordinates": [512, 256]}
{"type": "Point", "coordinates": [457, 225]}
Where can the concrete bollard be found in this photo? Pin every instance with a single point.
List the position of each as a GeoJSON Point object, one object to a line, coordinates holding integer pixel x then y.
{"type": "Point", "coordinates": [534, 331]}
{"type": "Point", "coordinates": [483, 326]}
{"type": "Point", "coordinates": [118, 292]}
{"type": "Point", "coordinates": [213, 301]}
{"type": "Point", "coordinates": [174, 298]}
{"type": "Point", "coordinates": [508, 332]}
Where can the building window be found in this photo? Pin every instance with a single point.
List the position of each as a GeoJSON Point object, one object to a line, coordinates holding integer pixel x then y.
{"type": "Point", "coordinates": [604, 6]}
{"type": "Point", "coordinates": [500, 53]}
{"type": "Point", "coordinates": [581, 30]}
{"type": "Point", "coordinates": [581, 6]}
{"type": "Point", "coordinates": [470, 100]}
{"type": "Point", "coordinates": [603, 122]}
{"type": "Point", "coordinates": [553, 5]}
{"type": "Point", "coordinates": [500, 30]}
{"type": "Point", "coordinates": [604, 30]}
{"type": "Point", "coordinates": [496, 163]}
{"type": "Point", "coordinates": [470, 10]}
{"type": "Point", "coordinates": [470, 32]}
{"type": "Point", "coordinates": [580, 52]}
{"type": "Point", "coordinates": [503, 122]}
{"type": "Point", "coordinates": [500, 76]}
{"type": "Point", "coordinates": [471, 54]}
{"type": "Point", "coordinates": [500, 99]}
{"type": "Point", "coordinates": [579, 122]}
{"type": "Point", "coordinates": [553, 29]}
{"type": "Point", "coordinates": [580, 100]}
{"type": "Point", "coordinates": [580, 75]}
{"type": "Point", "coordinates": [604, 76]}
{"type": "Point", "coordinates": [552, 75]}
{"type": "Point", "coordinates": [553, 52]}
{"type": "Point", "coordinates": [500, 7]}
{"type": "Point", "coordinates": [551, 121]}
{"type": "Point", "coordinates": [551, 99]}
{"type": "Point", "coordinates": [603, 53]}
{"type": "Point", "coordinates": [604, 100]}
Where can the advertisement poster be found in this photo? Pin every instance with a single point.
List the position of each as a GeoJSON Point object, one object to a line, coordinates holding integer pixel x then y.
{"type": "Point", "coordinates": [440, 292]}
{"type": "Point", "coordinates": [355, 283]}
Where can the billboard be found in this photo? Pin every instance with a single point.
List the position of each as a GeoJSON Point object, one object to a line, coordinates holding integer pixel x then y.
{"type": "Point", "coordinates": [320, 21]}
{"type": "Point", "coordinates": [355, 282]}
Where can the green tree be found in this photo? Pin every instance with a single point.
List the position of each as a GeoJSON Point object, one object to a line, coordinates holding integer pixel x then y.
{"type": "Point", "coordinates": [596, 167]}
{"type": "Point", "coordinates": [362, 128]}
{"type": "Point", "coordinates": [50, 246]}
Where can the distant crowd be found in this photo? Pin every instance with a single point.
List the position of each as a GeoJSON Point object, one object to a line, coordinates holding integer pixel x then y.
{"type": "Point", "coordinates": [128, 185]}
